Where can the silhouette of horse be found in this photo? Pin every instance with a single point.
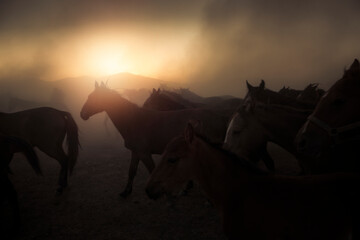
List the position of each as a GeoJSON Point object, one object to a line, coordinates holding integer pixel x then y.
{"type": "Point", "coordinates": [145, 131]}
{"type": "Point", "coordinates": [166, 100]}
{"type": "Point", "coordinates": [289, 92]}
{"type": "Point", "coordinates": [249, 131]}
{"type": "Point", "coordinates": [330, 139]}
{"type": "Point", "coordinates": [263, 95]}
{"type": "Point", "coordinates": [159, 100]}
{"type": "Point", "coordinates": [311, 93]}
{"type": "Point", "coordinates": [10, 215]}
{"type": "Point", "coordinates": [256, 205]}
{"type": "Point", "coordinates": [45, 128]}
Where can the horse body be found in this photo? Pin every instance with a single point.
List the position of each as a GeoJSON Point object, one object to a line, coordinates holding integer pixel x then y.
{"type": "Point", "coordinates": [256, 205]}
{"type": "Point", "coordinates": [147, 132]}
{"type": "Point", "coordinates": [332, 132]}
{"type": "Point", "coordinates": [46, 128]}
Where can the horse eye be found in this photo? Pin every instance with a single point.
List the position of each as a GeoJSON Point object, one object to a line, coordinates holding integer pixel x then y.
{"type": "Point", "coordinates": [236, 132]}
{"type": "Point", "coordinates": [172, 160]}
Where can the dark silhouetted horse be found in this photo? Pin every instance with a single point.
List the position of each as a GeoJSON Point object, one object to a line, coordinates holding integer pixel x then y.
{"type": "Point", "coordinates": [256, 205]}
{"type": "Point", "coordinates": [145, 131]}
{"type": "Point", "coordinates": [46, 128]}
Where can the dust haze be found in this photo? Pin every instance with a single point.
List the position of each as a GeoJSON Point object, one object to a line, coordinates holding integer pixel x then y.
{"type": "Point", "coordinates": [284, 42]}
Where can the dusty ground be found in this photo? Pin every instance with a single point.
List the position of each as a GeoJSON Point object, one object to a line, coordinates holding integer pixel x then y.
{"type": "Point", "coordinates": [92, 209]}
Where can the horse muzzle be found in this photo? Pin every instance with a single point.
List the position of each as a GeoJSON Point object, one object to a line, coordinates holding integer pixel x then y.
{"type": "Point", "coordinates": [84, 115]}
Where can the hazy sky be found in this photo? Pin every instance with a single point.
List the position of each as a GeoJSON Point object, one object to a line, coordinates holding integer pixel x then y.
{"type": "Point", "coordinates": [212, 46]}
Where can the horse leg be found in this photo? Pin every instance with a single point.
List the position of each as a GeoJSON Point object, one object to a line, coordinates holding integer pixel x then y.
{"type": "Point", "coordinates": [58, 153]}
{"type": "Point", "coordinates": [148, 162]}
{"type": "Point", "coordinates": [132, 172]}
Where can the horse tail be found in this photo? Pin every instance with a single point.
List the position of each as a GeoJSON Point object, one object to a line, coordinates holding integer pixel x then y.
{"type": "Point", "coordinates": [72, 140]}
{"type": "Point", "coordinates": [20, 145]}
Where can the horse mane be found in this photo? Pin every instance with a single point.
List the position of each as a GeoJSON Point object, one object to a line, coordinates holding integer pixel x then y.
{"type": "Point", "coordinates": [250, 166]}
{"type": "Point", "coordinates": [106, 88]}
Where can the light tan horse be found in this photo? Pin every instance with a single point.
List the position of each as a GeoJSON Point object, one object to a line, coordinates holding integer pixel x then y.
{"type": "Point", "coordinates": [146, 131]}
{"type": "Point", "coordinates": [253, 204]}
{"type": "Point", "coordinates": [46, 128]}
{"type": "Point", "coordinates": [249, 130]}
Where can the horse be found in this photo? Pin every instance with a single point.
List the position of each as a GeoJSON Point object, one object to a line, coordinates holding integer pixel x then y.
{"type": "Point", "coordinates": [10, 217]}
{"type": "Point", "coordinates": [249, 131]}
{"type": "Point", "coordinates": [289, 92]}
{"type": "Point", "coordinates": [165, 100]}
{"type": "Point", "coordinates": [311, 93]}
{"type": "Point", "coordinates": [257, 205]}
{"type": "Point", "coordinates": [45, 128]}
{"type": "Point", "coordinates": [264, 95]}
{"type": "Point", "coordinates": [158, 100]}
{"type": "Point", "coordinates": [146, 132]}
{"type": "Point", "coordinates": [330, 138]}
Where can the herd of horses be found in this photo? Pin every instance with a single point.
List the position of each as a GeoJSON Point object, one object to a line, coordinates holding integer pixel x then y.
{"type": "Point", "coordinates": [218, 143]}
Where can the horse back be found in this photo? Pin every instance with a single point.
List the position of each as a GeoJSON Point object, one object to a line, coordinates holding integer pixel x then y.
{"type": "Point", "coordinates": [34, 124]}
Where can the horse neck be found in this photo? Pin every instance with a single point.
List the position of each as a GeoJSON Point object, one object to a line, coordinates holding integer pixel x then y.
{"type": "Point", "coordinates": [120, 111]}
{"type": "Point", "coordinates": [282, 124]}
{"type": "Point", "coordinates": [215, 172]}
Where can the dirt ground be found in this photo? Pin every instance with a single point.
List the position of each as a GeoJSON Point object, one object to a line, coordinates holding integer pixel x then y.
{"type": "Point", "coordinates": [91, 208]}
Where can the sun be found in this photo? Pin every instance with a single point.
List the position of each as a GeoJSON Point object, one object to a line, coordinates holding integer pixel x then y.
{"type": "Point", "coordinates": [109, 65]}
{"type": "Point", "coordinates": [106, 60]}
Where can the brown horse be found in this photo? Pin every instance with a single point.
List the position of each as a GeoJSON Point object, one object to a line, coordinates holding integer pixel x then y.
{"type": "Point", "coordinates": [330, 139]}
{"type": "Point", "coordinates": [165, 100]}
{"type": "Point", "coordinates": [10, 215]}
{"type": "Point", "coordinates": [264, 95]}
{"type": "Point", "coordinates": [255, 205]}
{"type": "Point", "coordinates": [159, 100]}
{"type": "Point", "coordinates": [146, 131]}
{"type": "Point", "coordinates": [311, 93]}
{"type": "Point", "coordinates": [45, 128]}
{"type": "Point", "coordinates": [249, 131]}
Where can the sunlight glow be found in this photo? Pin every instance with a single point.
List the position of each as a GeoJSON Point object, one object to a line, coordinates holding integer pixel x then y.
{"type": "Point", "coordinates": [106, 60]}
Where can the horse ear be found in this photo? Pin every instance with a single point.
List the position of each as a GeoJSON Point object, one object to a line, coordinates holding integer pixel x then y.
{"type": "Point", "coordinates": [249, 85]}
{"type": "Point", "coordinates": [154, 90]}
{"type": "Point", "coordinates": [102, 84]}
{"type": "Point", "coordinates": [96, 84]}
{"type": "Point", "coordinates": [262, 84]}
{"type": "Point", "coordinates": [355, 66]}
{"type": "Point", "coordinates": [189, 133]}
{"type": "Point", "coordinates": [158, 90]}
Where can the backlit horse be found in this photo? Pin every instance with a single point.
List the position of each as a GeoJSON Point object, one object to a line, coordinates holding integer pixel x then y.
{"type": "Point", "coordinates": [145, 131]}
{"type": "Point", "coordinates": [46, 128]}
{"type": "Point", "coordinates": [10, 215]}
{"type": "Point", "coordinates": [249, 131]}
{"type": "Point", "coordinates": [264, 95]}
{"type": "Point", "coordinates": [255, 205]}
{"type": "Point", "coordinates": [330, 139]}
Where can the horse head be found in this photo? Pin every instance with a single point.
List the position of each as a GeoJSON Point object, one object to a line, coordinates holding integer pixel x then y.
{"type": "Point", "coordinates": [173, 171]}
{"type": "Point", "coordinates": [95, 102]}
{"type": "Point", "coordinates": [335, 121]}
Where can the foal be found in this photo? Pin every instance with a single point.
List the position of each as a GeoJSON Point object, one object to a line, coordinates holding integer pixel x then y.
{"type": "Point", "coordinates": [255, 205]}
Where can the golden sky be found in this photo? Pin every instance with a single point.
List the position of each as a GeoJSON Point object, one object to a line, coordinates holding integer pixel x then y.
{"type": "Point", "coordinates": [208, 44]}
